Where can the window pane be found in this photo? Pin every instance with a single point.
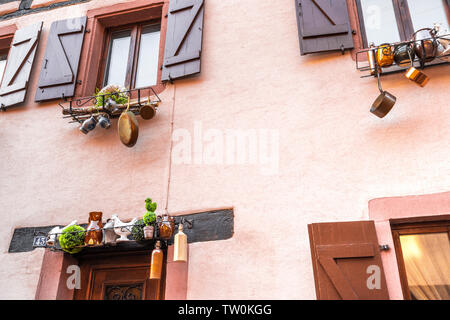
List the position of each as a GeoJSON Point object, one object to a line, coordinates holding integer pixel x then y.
{"type": "Point", "coordinates": [380, 21]}
{"type": "Point", "coordinates": [118, 59]}
{"type": "Point", "coordinates": [2, 65]}
{"type": "Point", "coordinates": [147, 69]}
{"type": "Point", "coordinates": [425, 14]}
{"type": "Point", "coordinates": [427, 263]}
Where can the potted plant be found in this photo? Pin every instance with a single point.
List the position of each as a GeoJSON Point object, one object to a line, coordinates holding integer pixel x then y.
{"type": "Point", "coordinates": [111, 95]}
{"type": "Point", "coordinates": [72, 239]}
{"type": "Point", "coordinates": [149, 219]}
{"type": "Point", "coordinates": [137, 232]}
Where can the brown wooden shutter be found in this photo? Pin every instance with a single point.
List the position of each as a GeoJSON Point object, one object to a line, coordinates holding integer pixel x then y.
{"type": "Point", "coordinates": [183, 39]}
{"type": "Point", "coordinates": [14, 84]}
{"type": "Point", "coordinates": [60, 65]}
{"type": "Point", "coordinates": [344, 256]}
{"type": "Point", "coordinates": [323, 25]}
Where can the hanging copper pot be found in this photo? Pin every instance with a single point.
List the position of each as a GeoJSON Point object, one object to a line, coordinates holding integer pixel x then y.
{"type": "Point", "coordinates": [128, 128]}
{"type": "Point", "coordinates": [147, 111]}
{"type": "Point", "coordinates": [385, 55]}
{"type": "Point", "coordinates": [425, 45]}
{"type": "Point", "coordinates": [384, 103]}
{"type": "Point", "coordinates": [403, 55]}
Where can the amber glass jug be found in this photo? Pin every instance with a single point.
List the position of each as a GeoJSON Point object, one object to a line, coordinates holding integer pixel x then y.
{"type": "Point", "coordinates": [94, 233]}
{"type": "Point", "coordinates": [166, 225]}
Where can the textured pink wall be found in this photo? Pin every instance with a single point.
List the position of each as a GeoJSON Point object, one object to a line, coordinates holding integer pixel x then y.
{"type": "Point", "coordinates": [334, 156]}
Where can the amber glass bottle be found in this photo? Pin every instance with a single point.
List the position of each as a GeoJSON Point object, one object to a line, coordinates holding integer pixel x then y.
{"type": "Point", "coordinates": [157, 262]}
{"type": "Point", "coordinates": [166, 226]}
{"type": "Point", "coordinates": [94, 233]}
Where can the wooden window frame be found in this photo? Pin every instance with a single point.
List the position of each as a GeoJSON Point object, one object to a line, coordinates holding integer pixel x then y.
{"type": "Point", "coordinates": [6, 38]}
{"type": "Point", "coordinates": [403, 18]}
{"type": "Point", "coordinates": [103, 19]}
{"type": "Point", "coordinates": [418, 225]}
{"type": "Point", "coordinates": [133, 54]}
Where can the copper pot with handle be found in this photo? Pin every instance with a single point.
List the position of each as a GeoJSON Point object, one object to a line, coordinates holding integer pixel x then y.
{"type": "Point", "coordinates": [425, 44]}
{"type": "Point", "coordinates": [384, 103]}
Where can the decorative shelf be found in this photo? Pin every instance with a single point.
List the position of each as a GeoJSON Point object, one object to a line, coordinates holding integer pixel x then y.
{"type": "Point", "coordinates": [79, 110]}
{"type": "Point", "coordinates": [363, 65]}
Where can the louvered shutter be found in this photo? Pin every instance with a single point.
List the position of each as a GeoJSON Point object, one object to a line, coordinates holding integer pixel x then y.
{"type": "Point", "coordinates": [346, 261]}
{"type": "Point", "coordinates": [323, 25]}
{"type": "Point", "coordinates": [183, 39]}
{"type": "Point", "coordinates": [59, 69]}
{"type": "Point", "coordinates": [14, 84]}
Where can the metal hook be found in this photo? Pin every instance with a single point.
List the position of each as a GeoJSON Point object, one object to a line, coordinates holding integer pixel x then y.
{"type": "Point", "coordinates": [189, 222]}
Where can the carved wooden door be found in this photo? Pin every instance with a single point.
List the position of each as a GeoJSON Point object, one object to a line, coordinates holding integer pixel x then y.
{"type": "Point", "coordinates": [118, 277]}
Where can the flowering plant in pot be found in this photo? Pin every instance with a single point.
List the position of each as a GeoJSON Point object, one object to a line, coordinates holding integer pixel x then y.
{"type": "Point", "coordinates": [72, 239]}
{"type": "Point", "coordinates": [149, 218]}
{"type": "Point", "coordinates": [111, 95]}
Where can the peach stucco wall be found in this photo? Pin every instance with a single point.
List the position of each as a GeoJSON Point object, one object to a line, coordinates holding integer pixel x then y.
{"type": "Point", "coordinates": [334, 156]}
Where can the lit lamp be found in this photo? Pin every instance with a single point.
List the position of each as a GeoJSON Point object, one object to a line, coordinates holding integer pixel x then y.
{"type": "Point", "coordinates": [157, 262]}
{"type": "Point", "coordinates": [180, 245]}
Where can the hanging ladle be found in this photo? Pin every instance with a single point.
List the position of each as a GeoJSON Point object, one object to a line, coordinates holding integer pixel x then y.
{"type": "Point", "coordinates": [385, 101]}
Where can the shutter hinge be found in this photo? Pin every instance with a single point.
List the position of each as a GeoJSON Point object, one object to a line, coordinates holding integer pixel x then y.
{"type": "Point", "coordinates": [384, 247]}
{"type": "Point", "coordinates": [79, 82]}
{"type": "Point", "coordinates": [342, 49]}
{"type": "Point", "coordinates": [87, 31]}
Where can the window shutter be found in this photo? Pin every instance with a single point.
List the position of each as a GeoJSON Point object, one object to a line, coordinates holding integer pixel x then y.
{"type": "Point", "coordinates": [346, 261]}
{"type": "Point", "coordinates": [184, 39]}
{"type": "Point", "coordinates": [14, 84]}
{"type": "Point", "coordinates": [323, 25]}
{"type": "Point", "coordinates": [60, 65]}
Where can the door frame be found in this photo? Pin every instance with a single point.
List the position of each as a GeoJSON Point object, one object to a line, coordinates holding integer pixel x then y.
{"type": "Point", "coordinates": [92, 263]}
{"type": "Point", "coordinates": [52, 284]}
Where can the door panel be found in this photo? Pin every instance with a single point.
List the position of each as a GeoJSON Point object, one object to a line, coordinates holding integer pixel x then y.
{"type": "Point", "coordinates": [119, 277]}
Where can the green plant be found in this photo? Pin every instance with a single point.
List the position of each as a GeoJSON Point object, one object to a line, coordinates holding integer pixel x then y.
{"type": "Point", "coordinates": [150, 216]}
{"type": "Point", "coordinates": [116, 93]}
{"type": "Point", "coordinates": [137, 232]}
{"type": "Point", "coordinates": [72, 238]}
{"type": "Point", "coordinates": [150, 205]}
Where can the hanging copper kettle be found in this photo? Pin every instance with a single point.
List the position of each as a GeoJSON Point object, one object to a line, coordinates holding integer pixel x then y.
{"type": "Point", "coordinates": [425, 45]}
{"type": "Point", "coordinates": [403, 55]}
{"type": "Point", "coordinates": [385, 55]}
